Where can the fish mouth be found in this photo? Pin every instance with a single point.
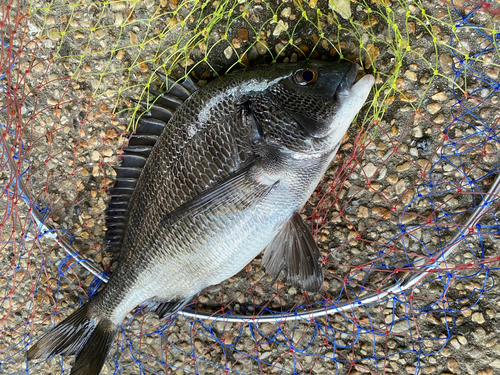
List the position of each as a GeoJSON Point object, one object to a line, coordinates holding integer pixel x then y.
{"type": "Point", "coordinates": [344, 87]}
{"type": "Point", "coordinates": [350, 104]}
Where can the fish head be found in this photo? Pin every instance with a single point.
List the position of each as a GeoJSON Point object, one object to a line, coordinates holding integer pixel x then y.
{"type": "Point", "coordinates": [313, 104]}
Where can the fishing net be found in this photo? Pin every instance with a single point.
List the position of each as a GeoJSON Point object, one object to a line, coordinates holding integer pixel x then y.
{"type": "Point", "coordinates": [406, 219]}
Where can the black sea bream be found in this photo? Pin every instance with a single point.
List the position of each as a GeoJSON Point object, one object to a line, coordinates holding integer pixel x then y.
{"type": "Point", "coordinates": [226, 179]}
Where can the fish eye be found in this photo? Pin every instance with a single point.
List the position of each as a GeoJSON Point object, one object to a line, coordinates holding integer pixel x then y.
{"type": "Point", "coordinates": [305, 77]}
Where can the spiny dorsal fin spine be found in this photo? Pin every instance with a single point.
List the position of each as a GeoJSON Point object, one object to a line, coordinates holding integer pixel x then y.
{"type": "Point", "coordinates": [137, 151]}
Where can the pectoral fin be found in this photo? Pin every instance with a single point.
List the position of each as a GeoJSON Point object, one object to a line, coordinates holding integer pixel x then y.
{"type": "Point", "coordinates": [234, 194]}
{"type": "Point", "coordinates": [295, 248]}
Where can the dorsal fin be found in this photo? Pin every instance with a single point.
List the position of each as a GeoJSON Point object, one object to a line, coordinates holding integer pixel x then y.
{"type": "Point", "coordinates": [182, 90]}
{"type": "Point", "coordinates": [166, 100]}
{"type": "Point", "coordinates": [157, 111]}
{"type": "Point", "coordinates": [135, 155]}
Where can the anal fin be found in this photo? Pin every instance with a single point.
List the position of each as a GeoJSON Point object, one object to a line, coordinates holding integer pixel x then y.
{"type": "Point", "coordinates": [295, 248]}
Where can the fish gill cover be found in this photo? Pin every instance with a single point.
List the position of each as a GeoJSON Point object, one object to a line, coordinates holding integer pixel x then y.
{"type": "Point", "coordinates": [406, 220]}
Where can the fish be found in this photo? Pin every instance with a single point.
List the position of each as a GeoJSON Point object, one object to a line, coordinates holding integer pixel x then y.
{"type": "Point", "coordinates": [211, 178]}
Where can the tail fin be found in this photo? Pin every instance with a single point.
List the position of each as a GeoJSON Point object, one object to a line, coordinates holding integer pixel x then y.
{"type": "Point", "coordinates": [78, 334]}
{"type": "Point", "coordinates": [91, 359]}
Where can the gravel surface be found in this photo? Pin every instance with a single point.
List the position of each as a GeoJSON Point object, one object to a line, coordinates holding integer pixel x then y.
{"type": "Point", "coordinates": [93, 60]}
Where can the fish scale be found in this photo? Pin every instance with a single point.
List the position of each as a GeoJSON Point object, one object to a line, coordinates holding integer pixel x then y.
{"type": "Point", "coordinates": [226, 179]}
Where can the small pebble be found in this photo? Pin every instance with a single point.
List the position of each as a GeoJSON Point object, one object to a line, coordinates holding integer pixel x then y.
{"type": "Point", "coordinates": [304, 49]}
{"type": "Point", "coordinates": [433, 108]}
{"type": "Point", "coordinates": [490, 343]}
{"type": "Point", "coordinates": [95, 155]}
{"type": "Point", "coordinates": [187, 62]}
{"type": "Point", "coordinates": [203, 47]}
{"type": "Point", "coordinates": [400, 84]}
{"type": "Point", "coordinates": [236, 43]}
{"type": "Point", "coordinates": [342, 7]}
{"type": "Point", "coordinates": [370, 21]}
{"type": "Point", "coordinates": [117, 5]}
{"type": "Point", "coordinates": [411, 27]}
{"type": "Point", "coordinates": [228, 52]}
{"type": "Point", "coordinates": [430, 369]}
{"type": "Point", "coordinates": [453, 366]}
{"type": "Point", "coordinates": [455, 343]}
{"type": "Point", "coordinates": [261, 47]}
{"type": "Point", "coordinates": [400, 186]}
{"type": "Point", "coordinates": [286, 12]}
{"type": "Point", "coordinates": [392, 179]}
{"type": "Point", "coordinates": [446, 63]}
{"type": "Point", "coordinates": [108, 152]}
{"type": "Point", "coordinates": [133, 38]}
{"type": "Point", "coordinates": [100, 33]}
{"type": "Point", "coordinates": [142, 65]}
{"type": "Point", "coordinates": [440, 96]}
{"type": "Point", "coordinates": [492, 72]}
{"type": "Point", "coordinates": [417, 132]}
{"type": "Point", "coordinates": [101, 204]}
{"type": "Point", "coordinates": [446, 352]}
{"type": "Point", "coordinates": [371, 54]}
{"type": "Point", "coordinates": [54, 34]}
{"type": "Point", "coordinates": [412, 76]}
{"type": "Point", "coordinates": [439, 119]}
{"type": "Point", "coordinates": [441, 13]}
{"type": "Point", "coordinates": [363, 212]}
{"type": "Point", "coordinates": [380, 211]}
{"type": "Point", "coordinates": [410, 369]}
{"type": "Point", "coordinates": [478, 317]}
{"type": "Point", "coordinates": [403, 167]}
{"type": "Point", "coordinates": [406, 97]}
{"type": "Point", "coordinates": [118, 19]}
{"type": "Point", "coordinates": [243, 35]}
{"type": "Point", "coordinates": [280, 49]}
{"type": "Point", "coordinates": [280, 27]}
{"type": "Point", "coordinates": [467, 313]}
{"type": "Point", "coordinates": [485, 113]}
{"type": "Point", "coordinates": [369, 170]}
